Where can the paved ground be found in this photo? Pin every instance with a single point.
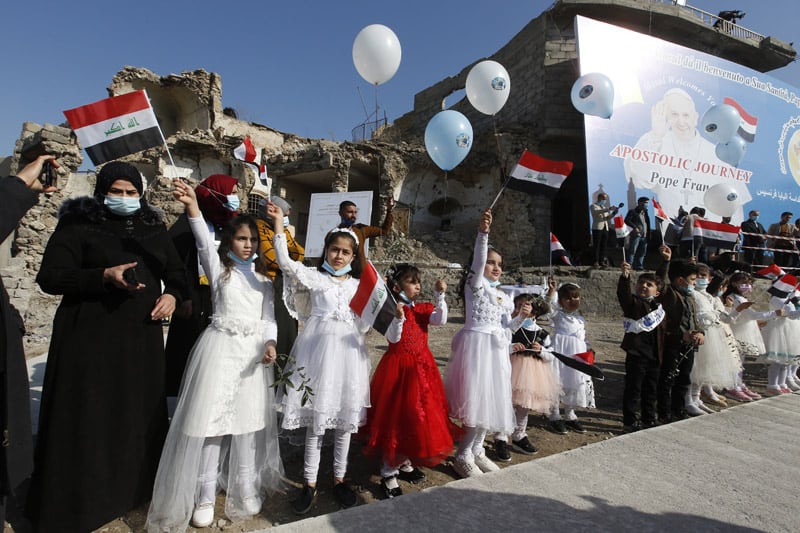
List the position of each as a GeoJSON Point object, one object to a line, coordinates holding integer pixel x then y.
{"type": "Point", "coordinates": [732, 471]}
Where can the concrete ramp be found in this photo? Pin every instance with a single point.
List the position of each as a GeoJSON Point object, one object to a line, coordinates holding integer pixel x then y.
{"type": "Point", "coordinates": [734, 471]}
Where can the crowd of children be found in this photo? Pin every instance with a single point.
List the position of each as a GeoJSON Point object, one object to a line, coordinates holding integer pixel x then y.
{"type": "Point", "coordinates": [687, 332]}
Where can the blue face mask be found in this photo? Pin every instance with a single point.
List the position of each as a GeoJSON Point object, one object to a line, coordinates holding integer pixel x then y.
{"type": "Point", "coordinates": [346, 222]}
{"type": "Point", "coordinates": [122, 206]}
{"type": "Point", "coordinates": [701, 284]}
{"type": "Point", "coordinates": [239, 261]}
{"type": "Point", "coordinates": [336, 273]}
{"type": "Point", "coordinates": [286, 222]}
{"type": "Point", "coordinates": [492, 283]}
{"type": "Point", "coordinates": [689, 289]}
{"type": "Point", "coordinates": [528, 323]}
{"type": "Point", "coordinates": [754, 218]}
{"type": "Point", "coordinates": [233, 202]}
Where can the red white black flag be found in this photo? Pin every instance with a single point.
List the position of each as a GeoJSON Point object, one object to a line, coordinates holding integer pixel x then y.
{"type": "Point", "coordinates": [373, 301]}
{"type": "Point", "coordinates": [115, 127]}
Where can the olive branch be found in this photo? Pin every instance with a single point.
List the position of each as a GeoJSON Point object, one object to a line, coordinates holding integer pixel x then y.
{"type": "Point", "coordinates": [284, 376]}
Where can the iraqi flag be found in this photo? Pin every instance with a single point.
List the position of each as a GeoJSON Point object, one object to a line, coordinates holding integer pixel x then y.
{"type": "Point", "coordinates": [748, 123]}
{"type": "Point", "coordinates": [247, 152]}
{"type": "Point", "coordinates": [373, 301]}
{"type": "Point", "coordinates": [785, 286]}
{"type": "Point", "coordinates": [772, 271]}
{"type": "Point", "coordinates": [558, 251]}
{"type": "Point", "coordinates": [621, 228]}
{"type": "Point", "coordinates": [115, 127]}
{"type": "Point", "coordinates": [263, 177]}
{"type": "Point", "coordinates": [538, 175]}
{"type": "Point", "coordinates": [716, 234]}
{"type": "Point", "coordinates": [660, 213]}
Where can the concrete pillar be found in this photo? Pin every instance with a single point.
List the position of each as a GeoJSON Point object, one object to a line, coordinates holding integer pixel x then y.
{"type": "Point", "coordinates": [341, 178]}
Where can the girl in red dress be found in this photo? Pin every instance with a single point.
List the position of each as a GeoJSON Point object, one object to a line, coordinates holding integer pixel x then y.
{"type": "Point", "coordinates": [408, 422]}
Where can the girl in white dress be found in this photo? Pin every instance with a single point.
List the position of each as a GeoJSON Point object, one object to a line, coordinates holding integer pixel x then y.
{"type": "Point", "coordinates": [569, 338]}
{"type": "Point", "coordinates": [330, 353]}
{"type": "Point", "coordinates": [478, 381]}
{"type": "Point", "coordinates": [745, 329]}
{"type": "Point", "coordinates": [716, 361]}
{"type": "Point", "coordinates": [224, 432]}
{"type": "Point", "coordinates": [782, 342]}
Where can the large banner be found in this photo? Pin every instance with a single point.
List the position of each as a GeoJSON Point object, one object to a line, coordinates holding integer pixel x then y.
{"type": "Point", "coordinates": [652, 144]}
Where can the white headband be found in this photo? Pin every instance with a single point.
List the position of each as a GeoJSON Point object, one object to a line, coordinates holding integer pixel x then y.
{"type": "Point", "coordinates": [345, 230]}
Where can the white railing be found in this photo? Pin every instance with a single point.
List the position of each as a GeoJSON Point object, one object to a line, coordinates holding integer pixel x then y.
{"type": "Point", "coordinates": [722, 25]}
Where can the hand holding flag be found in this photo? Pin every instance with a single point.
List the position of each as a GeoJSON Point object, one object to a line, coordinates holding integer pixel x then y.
{"type": "Point", "coordinates": [538, 175]}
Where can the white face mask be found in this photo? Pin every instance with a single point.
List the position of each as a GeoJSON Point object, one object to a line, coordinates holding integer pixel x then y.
{"type": "Point", "coordinates": [286, 222]}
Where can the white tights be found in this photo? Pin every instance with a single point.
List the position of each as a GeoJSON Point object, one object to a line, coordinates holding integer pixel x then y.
{"type": "Point", "coordinates": [245, 454]}
{"type": "Point", "coordinates": [520, 427]}
{"type": "Point", "coordinates": [471, 444]}
{"type": "Point", "coordinates": [313, 451]}
{"type": "Point", "coordinates": [776, 375]}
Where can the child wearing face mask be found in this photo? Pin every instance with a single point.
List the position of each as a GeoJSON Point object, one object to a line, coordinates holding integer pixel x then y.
{"type": "Point", "coordinates": [533, 384]}
{"type": "Point", "coordinates": [781, 336]}
{"type": "Point", "coordinates": [478, 382]}
{"type": "Point", "coordinates": [681, 338]}
{"type": "Point", "coordinates": [408, 423]}
{"type": "Point", "coordinates": [329, 356]}
{"type": "Point", "coordinates": [644, 347]}
{"type": "Point", "coordinates": [745, 329]}
{"type": "Point", "coordinates": [569, 338]}
{"type": "Point", "coordinates": [716, 362]}
{"type": "Point", "coordinates": [224, 432]}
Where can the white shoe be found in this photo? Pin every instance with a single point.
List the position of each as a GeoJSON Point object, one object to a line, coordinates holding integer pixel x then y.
{"type": "Point", "coordinates": [466, 468]}
{"type": "Point", "coordinates": [251, 505]}
{"type": "Point", "coordinates": [693, 410]}
{"type": "Point", "coordinates": [793, 384]}
{"type": "Point", "coordinates": [704, 407]}
{"type": "Point", "coordinates": [203, 515]}
{"type": "Point", "coordinates": [485, 464]}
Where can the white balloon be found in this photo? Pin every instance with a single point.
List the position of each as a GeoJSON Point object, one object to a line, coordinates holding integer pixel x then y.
{"type": "Point", "coordinates": [593, 94]}
{"type": "Point", "coordinates": [723, 199]}
{"type": "Point", "coordinates": [376, 53]}
{"type": "Point", "coordinates": [720, 123]}
{"type": "Point", "coordinates": [732, 151]}
{"type": "Point", "coordinates": [488, 87]}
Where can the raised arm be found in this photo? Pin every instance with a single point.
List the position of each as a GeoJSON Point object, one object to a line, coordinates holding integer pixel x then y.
{"type": "Point", "coordinates": [439, 315]}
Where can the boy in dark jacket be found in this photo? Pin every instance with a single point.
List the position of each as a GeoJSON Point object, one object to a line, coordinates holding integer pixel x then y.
{"type": "Point", "coordinates": [643, 344]}
{"type": "Point", "coordinates": [682, 336]}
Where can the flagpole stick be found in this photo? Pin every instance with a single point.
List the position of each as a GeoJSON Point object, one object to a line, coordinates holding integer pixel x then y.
{"type": "Point", "coordinates": [499, 193]}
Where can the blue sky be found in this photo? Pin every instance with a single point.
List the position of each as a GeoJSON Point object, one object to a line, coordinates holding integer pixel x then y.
{"type": "Point", "coordinates": [287, 65]}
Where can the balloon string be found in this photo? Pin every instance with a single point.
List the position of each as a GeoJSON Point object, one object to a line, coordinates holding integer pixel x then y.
{"type": "Point", "coordinates": [445, 190]}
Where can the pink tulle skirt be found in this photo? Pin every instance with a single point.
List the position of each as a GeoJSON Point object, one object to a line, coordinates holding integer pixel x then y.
{"type": "Point", "coordinates": [533, 384]}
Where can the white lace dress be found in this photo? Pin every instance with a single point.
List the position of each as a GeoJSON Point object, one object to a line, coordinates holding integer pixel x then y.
{"type": "Point", "coordinates": [782, 336]}
{"type": "Point", "coordinates": [330, 350]}
{"type": "Point", "coordinates": [226, 390]}
{"type": "Point", "coordinates": [478, 381]}
{"type": "Point", "coordinates": [745, 327]}
{"type": "Point", "coordinates": [716, 361]}
{"type": "Point", "coordinates": [569, 338]}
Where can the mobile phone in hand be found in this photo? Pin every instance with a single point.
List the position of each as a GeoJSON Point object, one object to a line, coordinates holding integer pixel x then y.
{"type": "Point", "coordinates": [129, 275]}
{"type": "Point", "coordinates": [48, 175]}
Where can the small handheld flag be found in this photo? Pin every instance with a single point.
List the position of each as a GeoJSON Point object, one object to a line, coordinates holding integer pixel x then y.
{"type": "Point", "coordinates": [772, 271]}
{"type": "Point", "coordinates": [621, 228]}
{"type": "Point", "coordinates": [115, 127]}
{"type": "Point", "coordinates": [536, 174]}
{"type": "Point", "coordinates": [373, 301]}
{"type": "Point", "coordinates": [783, 287]}
{"type": "Point", "coordinates": [716, 234]}
{"type": "Point", "coordinates": [557, 250]}
{"type": "Point", "coordinates": [247, 152]}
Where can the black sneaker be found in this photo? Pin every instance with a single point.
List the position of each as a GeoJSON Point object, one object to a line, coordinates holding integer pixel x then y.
{"type": "Point", "coordinates": [631, 428]}
{"type": "Point", "coordinates": [303, 502]}
{"type": "Point", "coordinates": [391, 492]}
{"type": "Point", "coordinates": [523, 445]}
{"type": "Point", "coordinates": [501, 451]}
{"type": "Point", "coordinates": [557, 426]}
{"type": "Point", "coordinates": [575, 426]}
{"type": "Point", "coordinates": [344, 495]}
{"type": "Point", "coordinates": [415, 475]}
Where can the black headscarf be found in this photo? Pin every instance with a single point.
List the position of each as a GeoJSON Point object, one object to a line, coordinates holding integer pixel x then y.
{"type": "Point", "coordinates": [117, 170]}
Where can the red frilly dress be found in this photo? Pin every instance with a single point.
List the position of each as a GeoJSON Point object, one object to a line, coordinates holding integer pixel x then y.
{"type": "Point", "coordinates": [409, 417]}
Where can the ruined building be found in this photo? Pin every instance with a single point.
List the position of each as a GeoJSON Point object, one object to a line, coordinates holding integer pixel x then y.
{"type": "Point", "coordinates": [435, 216]}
